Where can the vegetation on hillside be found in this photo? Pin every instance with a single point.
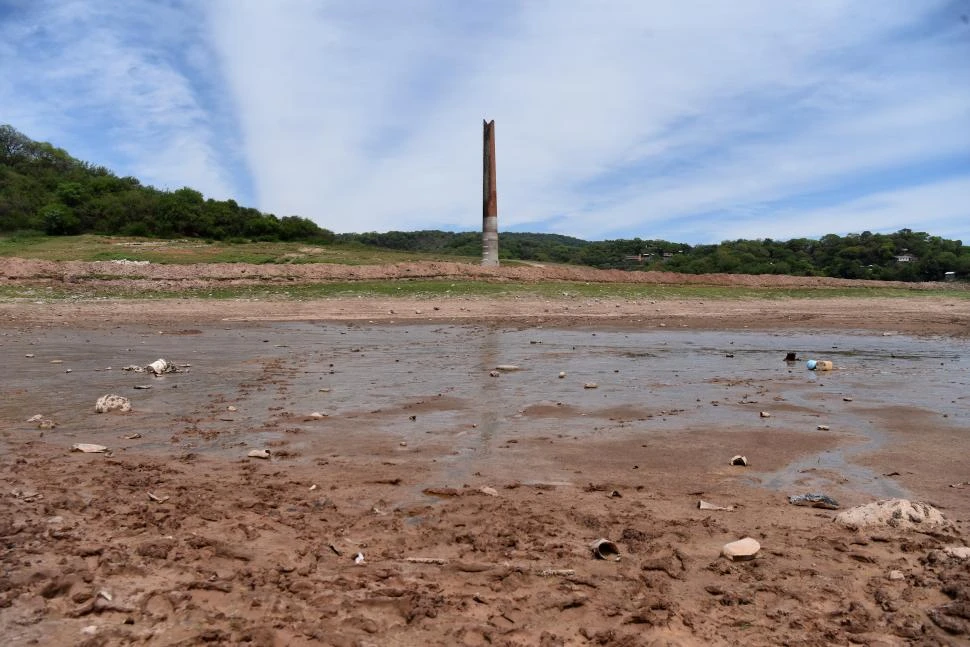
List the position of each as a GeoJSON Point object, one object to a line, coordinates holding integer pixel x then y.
{"type": "Point", "coordinates": [43, 188]}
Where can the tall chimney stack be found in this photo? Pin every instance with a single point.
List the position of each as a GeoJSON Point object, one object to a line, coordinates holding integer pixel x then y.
{"type": "Point", "coordinates": [489, 197]}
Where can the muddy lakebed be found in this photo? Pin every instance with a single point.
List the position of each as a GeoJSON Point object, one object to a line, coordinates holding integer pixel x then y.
{"type": "Point", "coordinates": [416, 386]}
{"type": "Point", "coordinates": [408, 421]}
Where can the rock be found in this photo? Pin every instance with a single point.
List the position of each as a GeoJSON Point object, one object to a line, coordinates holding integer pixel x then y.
{"type": "Point", "coordinates": [741, 550]}
{"type": "Point", "coordinates": [36, 418]}
{"type": "Point", "coordinates": [765, 414]}
{"type": "Point", "coordinates": [959, 552]}
{"type": "Point", "coordinates": [258, 453]}
{"type": "Point", "coordinates": [507, 367]}
{"type": "Point", "coordinates": [894, 513]}
{"type": "Point", "coordinates": [46, 423]}
{"type": "Point", "coordinates": [88, 448]}
{"type": "Point", "coordinates": [490, 491]}
{"type": "Point", "coordinates": [562, 374]}
{"type": "Point", "coordinates": [494, 373]}
{"type": "Point", "coordinates": [317, 415]}
{"type": "Point", "coordinates": [112, 402]}
{"type": "Point", "coordinates": [740, 460]}
{"type": "Point", "coordinates": [591, 385]}
{"type": "Point", "coordinates": [896, 576]}
{"type": "Point", "coordinates": [231, 408]}
{"type": "Point", "coordinates": [822, 427]}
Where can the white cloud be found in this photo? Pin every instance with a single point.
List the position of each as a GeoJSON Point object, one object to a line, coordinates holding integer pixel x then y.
{"type": "Point", "coordinates": [624, 118]}
{"type": "Point", "coordinates": [105, 80]}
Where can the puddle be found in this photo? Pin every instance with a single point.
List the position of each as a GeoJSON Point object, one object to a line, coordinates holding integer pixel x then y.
{"type": "Point", "coordinates": [374, 378]}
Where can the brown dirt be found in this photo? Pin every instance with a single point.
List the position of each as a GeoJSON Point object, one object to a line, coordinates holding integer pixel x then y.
{"type": "Point", "coordinates": [242, 551]}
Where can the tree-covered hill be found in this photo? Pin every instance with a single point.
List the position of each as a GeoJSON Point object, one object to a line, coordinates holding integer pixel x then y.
{"type": "Point", "coordinates": [43, 188]}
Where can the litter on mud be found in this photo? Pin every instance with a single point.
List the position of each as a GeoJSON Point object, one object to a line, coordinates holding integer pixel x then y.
{"type": "Point", "coordinates": [814, 501]}
{"type": "Point", "coordinates": [605, 549]}
{"type": "Point", "coordinates": [704, 505]}
{"type": "Point", "coordinates": [88, 448]}
{"type": "Point", "coordinates": [740, 460]}
{"type": "Point", "coordinates": [258, 453]}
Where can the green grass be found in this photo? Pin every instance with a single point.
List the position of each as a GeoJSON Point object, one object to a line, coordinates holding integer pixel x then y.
{"type": "Point", "coordinates": [445, 288]}
{"type": "Point", "coordinates": [184, 251]}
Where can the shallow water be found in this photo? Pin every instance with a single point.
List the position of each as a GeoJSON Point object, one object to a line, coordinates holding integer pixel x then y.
{"type": "Point", "coordinates": [373, 378]}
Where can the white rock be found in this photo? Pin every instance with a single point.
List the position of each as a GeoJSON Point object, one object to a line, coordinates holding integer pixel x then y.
{"type": "Point", "coordinates": [230, 408]}
{"type": "Point", "coordinates": [490, 491]}
{"type": "Point", "coordinates": [960, 552]}
{"type": "Point", "coordinates": [507, 367]}
{"type": "Point", "coordinates": [317, 415]}
{"type": "Point", "coordinates": [258, 453]}
{"type": "Point", "coordinates": [896, 576]}
{"type": "Point", "coordinates": [160, 366]}
{"type": "Point", "coordinates": [111, 402]}
{"type": "Point", "coordinates": [36, 418]}
{"type": "Point", "coordinates": [765, 414]}
{"type": "Point", "coordinates": [562, 374]}
{"type": "Point", "coordinates": [894, 513]}
{"type": "Point", "coordinates": [591, 385]}
{"type": "Point", "coordinates": [741, 549]}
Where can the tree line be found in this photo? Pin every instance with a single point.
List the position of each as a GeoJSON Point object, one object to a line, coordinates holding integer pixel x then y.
{"type": "Point", "coordinates": [43, 188]}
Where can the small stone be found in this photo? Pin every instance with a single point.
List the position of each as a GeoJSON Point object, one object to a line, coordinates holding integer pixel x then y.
{"type": "Point", "coordinates": [591, 385]}
{"type": "Point", "coordinates": [507, 367]}
{"type": "Point", "coordinates": [494, 373]}
{"type": "Point", "coordinates": [765, 414]}
{"type": "Point", "coordinates": [960, 552]}
{"type": "Point", "coordinates": [317, 415]}
{"type": "Point", "coordinates": [896, 576]}
{"type": "Point", "coordinates": [231, 408]}
{"type": "Point", "coordinates": [488, 491]}
{"type": "Point", "coordinates": [741, 550]}
{"type": "Point", "coordinates": [112, 402]}
{"type": "Point", "coordinates": [822, 427]}
{"type": "Point", "coordinates": [258, 453]}
{"type": "Point", "coordinates": [29, 355]}
{"type": "Point", "coordinates": [562, 374]}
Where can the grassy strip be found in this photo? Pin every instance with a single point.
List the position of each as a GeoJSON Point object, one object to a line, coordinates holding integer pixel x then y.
{"type": "Point", "coordinates": [185, 251]}
{"type": "Point", "coordinates": [445, 288]}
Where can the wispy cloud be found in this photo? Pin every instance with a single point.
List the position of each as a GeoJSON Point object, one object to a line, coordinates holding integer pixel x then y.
{"type": "Point", "coordinates": [693, 121]}
{"type": "Point", "coordinates": [117, 83]}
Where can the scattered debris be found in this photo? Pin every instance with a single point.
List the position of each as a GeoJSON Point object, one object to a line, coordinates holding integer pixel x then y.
{"type": "Point", "coordinates": [426, 560]}
{"type": "Point", "coordinates": [258, 453]}
{"type": "Point", "coordinates": [507, 367]}
{"type": "Point", "coordinates": [846, 399]}
{"type": "Point", "coordinates": [156, 498]}
{"type": "Point", "coordinates": [815, 501]}
{"type": "Point", "coordinates": [895, 513]}
{"type": "Point", "coordinates": [765, 414]}
{"type": "Point", "coordinates": [791, 357]}
{"type": "Point", "coordinates": [896, 576]}
{"type": "Point", "coordinates": [359, 558]}
{"type": "Point", "coordinates": [961, 484]}
{"type": "Point", "coordinates": [111, 402]}
{"type": "Point", "coordinates": [591, 385]}
{"type": "Point", "coordinates": [556, 572]}
{"type": "Point", "coordinates": [615, 494]}
{"type": "Point", "coordinates": [88, 448]}
{"type": "Point", "coordinates": [740, 460]}
{"type": "Point", "coordinates": [133, 436]}
{"type": "Point", "coordinates": [317, 415]}
{"type": "Point", "coordinates": [494, 373]}
{"type": "Point", "coordinates": [741, 550]}
{"type": "Point", "coordinates": [133, 368]}
{"type": "Point", "coordinates": [822, 427]}
{"type": "Point", "coordinates": [704, 505]}
{"type": "Point", "coordinates": [605, 549]}
{"type": "Point", "coordinates": [489, 491]}
{"type": "Point", "coordinates": [819, 365]}
{"type": "Point", "coordinates": [142, 387]}
{"type": "Point", "coordinates": [29, 355]}
{"type": "Point", "coordinates": [36, 418]}
{"type": "Point", "coordinates": [161, 366]}
{"type": "Point", "coordinates": [46, 423]}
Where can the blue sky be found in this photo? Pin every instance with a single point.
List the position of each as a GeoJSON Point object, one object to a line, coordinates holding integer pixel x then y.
{"type": "Point", "coordinates": [692, 121]}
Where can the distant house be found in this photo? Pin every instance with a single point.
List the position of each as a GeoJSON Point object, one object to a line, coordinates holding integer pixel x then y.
{"type": "Point", "coordinates": [950, 276]}
{"type": "Point", "coordinates": [905, 258]}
